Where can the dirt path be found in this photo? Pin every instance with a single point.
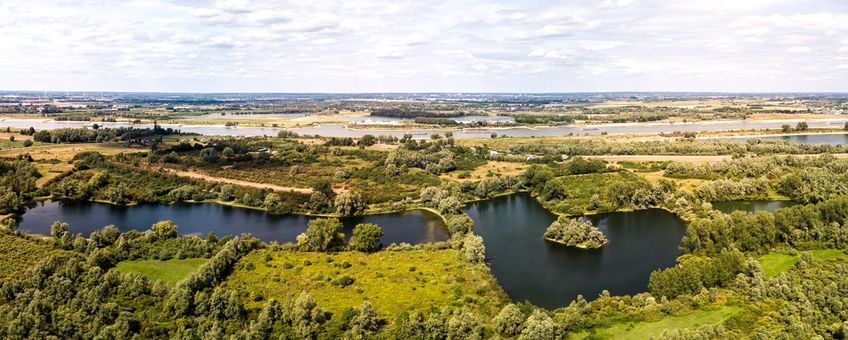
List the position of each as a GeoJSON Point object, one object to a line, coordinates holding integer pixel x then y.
{"type": "Point", "coordinates": [203, 177]}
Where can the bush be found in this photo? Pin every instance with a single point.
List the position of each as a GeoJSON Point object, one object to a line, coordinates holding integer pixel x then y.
{"type": "Point", "coordinates": [324, 234]}
{"type": "Point", "coordinates": [366, 237]}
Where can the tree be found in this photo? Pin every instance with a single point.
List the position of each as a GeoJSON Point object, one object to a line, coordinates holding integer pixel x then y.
{"type": "Point", "coordinates": [274, 203]}
{"type": "Point", "coordinates": [228, 152]}
{"type": "Point", "coordinates": [364, 322]}
{"type": "Point", "coordinates": [105, 236]}
{"type": "Point", "coordinates": [209, 155]}
{"type": "Point", "coordinates": [510, 321]}
{"type": "Point", "coordinates": [227, 192]}
{"type": "Point", "coordinates": [539, 326]}
{"type": "Point", "coordinates": [575, 232]}
{"type": "Point", "coordinates": [58, 229]}
{"type": "Point", "coordinates": [164, 229]}
{"type": "Point", "coordinates": [459, 224]}
{"type": "Point", "coordinates": [786, 128]}
{"type": "Point", "coordinates": [306, 316]}
{"type": "Point", "coordinates": [464, 325]}
{"type": "Point", "coordinates": [801, 126]}
{"type": "Point", "coordinates": [367, 140]}
{"type": "Point", "coordinates": [475, 250]}
{"type": "Point", "coordinates": [350, 203]}
{"type": "Point", "coordinates": [450, 205]}
{"type": "Point", "coordinates": [27, 143]}
{"type": "Point", "coordinates": [12, 138]}
{"type": "Point", "coordinates": [366, 237]}
{"type": "Point", "coordinates": [325, 234]}
{"type": "Point", "coordinates": [322, 185]}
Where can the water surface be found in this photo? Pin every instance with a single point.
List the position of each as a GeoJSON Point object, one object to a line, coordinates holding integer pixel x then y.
{"type": "Point", "coordinates": [751, 206]}
{"type": "Point", "coordinates": [340, 130]}
{"type": "Point", "coordinates": [415, 226]}
{"type": "Point", "coordinates": [551, 275]}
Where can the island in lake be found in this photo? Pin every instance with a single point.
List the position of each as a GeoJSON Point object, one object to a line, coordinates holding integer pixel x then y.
{"type": "Point", "coordinates": [575, 232]}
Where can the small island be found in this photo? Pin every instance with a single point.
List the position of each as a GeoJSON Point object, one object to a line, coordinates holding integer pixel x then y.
{"type": "Point", "coordinates": [575, 232]}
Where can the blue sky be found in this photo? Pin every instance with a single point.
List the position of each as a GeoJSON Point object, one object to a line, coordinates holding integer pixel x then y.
{"type": "Point", "coordinates": [418, 46]}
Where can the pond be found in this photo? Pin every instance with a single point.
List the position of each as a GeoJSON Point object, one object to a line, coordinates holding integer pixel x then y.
{"type": "Point", "coordinates": [414, 226]}
{"type": "Point", "coordinates": [752, 206]}
{"type": "Point", "coordinates": [551, 275]}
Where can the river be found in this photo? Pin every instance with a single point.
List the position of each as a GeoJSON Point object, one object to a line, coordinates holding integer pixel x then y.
{"type": "Point", "coordinates": [340, 130]}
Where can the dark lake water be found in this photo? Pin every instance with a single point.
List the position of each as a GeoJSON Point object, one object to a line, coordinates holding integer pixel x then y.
{"type": "Point", "coordinates": [552, 275]}
{"type": "Point", "coordinates": [728, 207]}
{"type": "Point", "coordinates": [415, 226]}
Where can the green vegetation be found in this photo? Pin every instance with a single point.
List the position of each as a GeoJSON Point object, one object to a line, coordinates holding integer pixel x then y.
{"type": "Point", "coordinates": [665, 327]}
{"type": "Point", "coordinates": [776, 263]}
{"type": "Point", "coordinates": [742, 275]}
{"type": "Point", "coordinates": [393, 281]}
{"type": "Point", "coordinates": [574, 194]}
{"type": "Point", "coordinates": [169, 271]}
{"type": "Point", "coordinates": [19, 254]}
{"type": "Point", "coordinates": [575, 232]}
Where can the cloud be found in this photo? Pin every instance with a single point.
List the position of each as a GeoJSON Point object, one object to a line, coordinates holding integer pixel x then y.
{"type": "Point", "coordinates": [799, 49]}
{"type": "Point", "coordinates": [382, 45]}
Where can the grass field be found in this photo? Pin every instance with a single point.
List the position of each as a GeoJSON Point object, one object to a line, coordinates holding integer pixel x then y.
{"type": "Point", "coordinates": [776, 263]}
{"type": "Point", "coordinates": [394, 281]}
{"type": "Point", "coordinates": [649, 329]}
{"type": "Point", "coordinates": [169, 271]}
{"type": "Point", "coordinates": [19, 254]}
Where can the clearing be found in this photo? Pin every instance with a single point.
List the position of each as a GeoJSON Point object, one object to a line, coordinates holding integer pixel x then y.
{"type": "Point", "coordinates": [776, 263]}
{"type": "Point", "coordinates": [169, 271]}
{"type": "Point", "coordinates": [653, 329]}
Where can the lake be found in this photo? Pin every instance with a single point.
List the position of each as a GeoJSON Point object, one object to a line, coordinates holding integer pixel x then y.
{"type": "Point", "coordinates": [529, 268]}
{"type": "Point", "coordinates": [414, 226]}
{"type": "Point", "coordinates": [551, 275]}
{"type": "Point", "coordinates": [751, 206]}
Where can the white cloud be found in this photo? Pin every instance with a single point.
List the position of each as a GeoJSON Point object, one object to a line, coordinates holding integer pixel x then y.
{"type": "Point", "coordinates": [382, 45]}
{"type": "Point", "coordinates": [799, 49]}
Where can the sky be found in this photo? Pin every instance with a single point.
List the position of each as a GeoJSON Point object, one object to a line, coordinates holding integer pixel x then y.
{"type": "Point", "coordinates": [424, 46]}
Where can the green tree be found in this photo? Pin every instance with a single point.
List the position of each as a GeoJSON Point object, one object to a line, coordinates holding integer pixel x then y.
{"type": "Point", "coordinates": [350, 203]}
{"type": "Point", "coordinates": [325, 234]}
{"type": "Point", "coordinates": [539, 326]}
{"type": "Point", "coordinates": [801, 126]}
{"type": "Point", "coordinates": [307, 317]}
{"type": "Point", "coordinates": [164, 229]}
{"type": "Point", "coordinates": [475, 250]}
{"type": "Point", "coordinates": [366, 237]}
{"type": "Point", "coordinates": [510, 321]}
{"type": "Point", "coordinates": [58, 229]}
{"type": "Point", "coordinates": [209, 155]}
{"type": "Point", "coordinates": [228, 152]}
{"type": "Point", "coordinates": [364, 322]}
